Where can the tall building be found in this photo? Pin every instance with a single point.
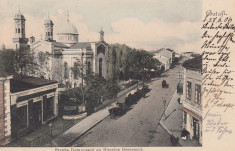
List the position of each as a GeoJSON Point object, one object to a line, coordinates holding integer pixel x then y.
{"type": "Point", "coordinates": [57, 58]}
{"type": "Point", "coordinates": [19, 39]}
{"type": "Point", "coordinates": [48, 29]}
{"type": "Point", "coordinates": [191, 102]}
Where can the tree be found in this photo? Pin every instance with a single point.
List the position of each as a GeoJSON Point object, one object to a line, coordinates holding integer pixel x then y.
{"type": "Point", "coordinates": [25, 60]}
{"type": "Point", "coordinates": [7, 61]}
{"type": "Point", "coordinates": [21, 60]}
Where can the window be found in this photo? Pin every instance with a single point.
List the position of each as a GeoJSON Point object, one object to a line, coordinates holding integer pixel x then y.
{"type": "Point", "coordinates": [100, 67]}
{"type": "Point", "coordinates": [48, 33]}
{"type": "Point", "coordinates": [185, 118]}
{"type": "Point", "coordinates": [21, 117]}
{"type": "Point", "coordinates": [66, 72]}
{"type": "Point", "coordinates": [51, 33]}
{"type": "Point", "coordinates": [198, 94]}
{"type": "Point", "coordinates": [18, 30]}
{"type": "Point", "coordinates": [88, 67]}
{"type": "Point", "coordinates": [189, 90]}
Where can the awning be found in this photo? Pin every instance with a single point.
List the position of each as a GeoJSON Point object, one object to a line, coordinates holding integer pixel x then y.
{"type": "Point", "coordinates": [193, 114]}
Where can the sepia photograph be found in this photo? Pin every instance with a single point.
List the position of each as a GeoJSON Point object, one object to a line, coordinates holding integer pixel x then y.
{"type": "Point", "coordinates": [109, 73]}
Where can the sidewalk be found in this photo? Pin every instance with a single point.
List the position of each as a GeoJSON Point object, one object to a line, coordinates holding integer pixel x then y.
{"type": "Point", "coordinates": [80, 128]}
{"type": "Point", "coordinates": [172, 120]}
{"type": "Point", "coordinates": [83, 126]}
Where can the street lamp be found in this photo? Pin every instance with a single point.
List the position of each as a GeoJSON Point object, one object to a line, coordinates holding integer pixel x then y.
{"type": "Point", "coordinates": [50, 125]}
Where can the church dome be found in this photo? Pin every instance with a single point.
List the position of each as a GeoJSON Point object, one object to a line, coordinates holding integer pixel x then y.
{"type": "Point", "coordinates": [19, 16]}
{"type": "Point", "coordinates": [67, 28]}
{"type": "Point", "coordinates": [48, 21]}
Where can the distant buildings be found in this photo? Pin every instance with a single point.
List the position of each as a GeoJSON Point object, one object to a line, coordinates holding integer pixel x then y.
{"type": "Point", "coordinates": [165, 56]}
{"type": "Point", "coordinates": [25, 103]}
{"type": "Point", "coordinates": [191, 100]}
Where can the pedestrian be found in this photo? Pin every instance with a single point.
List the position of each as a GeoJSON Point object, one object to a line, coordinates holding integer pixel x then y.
{"type": "Point", "coordinates": [178, 100]}
{"type": "Point", "coordinates": [164, 102]}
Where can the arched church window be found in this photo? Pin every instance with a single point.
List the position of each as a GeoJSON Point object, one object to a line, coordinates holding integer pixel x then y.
{"type": "Point", "coordinates": [100, 67]}
{"type": "Point", "coordinates": [66, 71]}
{"type": "Point", "coordinates": [88, 67]}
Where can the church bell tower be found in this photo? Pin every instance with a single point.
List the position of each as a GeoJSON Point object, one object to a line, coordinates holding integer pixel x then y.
{"type": "Point", "coordinates": [19, 40]}
{"type": "Point", "coordinates": [48, 29]}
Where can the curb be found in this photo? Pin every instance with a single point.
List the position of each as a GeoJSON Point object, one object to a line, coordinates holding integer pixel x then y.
{"type": "Point", "coordinates": [79, 136]}
{"type": "Point", "coordinates": [70, 142]}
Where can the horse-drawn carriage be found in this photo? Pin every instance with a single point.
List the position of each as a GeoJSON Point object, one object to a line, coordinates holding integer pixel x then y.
{"type": "Point", "coordinates": [118, 110]}
{"type": "Point", "coordinates": [131, 98]}
{"type": "Point", "coordinates": [164, 84]}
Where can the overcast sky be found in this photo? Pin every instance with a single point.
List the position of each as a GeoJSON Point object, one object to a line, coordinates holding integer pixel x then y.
{"type": "Point", "coordinates": [148, 24]}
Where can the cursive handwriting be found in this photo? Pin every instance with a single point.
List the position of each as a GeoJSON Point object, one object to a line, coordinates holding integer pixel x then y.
{"type": "Point", "coordinates": [218, 37]}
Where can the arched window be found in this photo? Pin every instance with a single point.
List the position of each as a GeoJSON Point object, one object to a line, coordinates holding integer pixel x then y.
{"type": "Point", "coordinates": [100, 66]}
{"type": "Point", "coordinates": [18, 30]}
{"type": "Point", "coordinates": [88, 67]}
{"type": "Point", "coordinates": [66, 72]}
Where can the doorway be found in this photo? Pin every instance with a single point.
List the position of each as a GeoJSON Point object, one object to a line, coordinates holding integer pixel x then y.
{"type": "Point", "coordinates": [196, 129]}
{"type": "Point", "coordinates": [37, 114]}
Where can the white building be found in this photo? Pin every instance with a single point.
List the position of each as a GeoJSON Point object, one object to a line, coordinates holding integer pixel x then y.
{"type": "Point", "coordinates": [191, 100]}
{"type": "Point", "coordinates": [164, 60]}
{"type": "Point", "coordinates": [165, 56]}
{"type": "Point", "coordinates": [57, 58]}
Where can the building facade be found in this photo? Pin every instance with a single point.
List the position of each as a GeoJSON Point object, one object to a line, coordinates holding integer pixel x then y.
{"type": "Point", "coordinates": [5, 115]}
{"type": "Point", "coordinates": [165, 56]}
{"type": "Point", "coordinates": [67, 53]}
{"type": "Point", "coordinates": [191, 102]}
{"type": "Point", "coordinates": [25, 104]}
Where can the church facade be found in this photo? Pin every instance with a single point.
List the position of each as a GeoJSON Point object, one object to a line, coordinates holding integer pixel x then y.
{"type": "Point", "coordinates": [65, 60]}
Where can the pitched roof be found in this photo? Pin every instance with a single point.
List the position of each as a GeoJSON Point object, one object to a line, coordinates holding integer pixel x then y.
{"type": "Point", "coordinates": [194, 63]}
{"type": "Point", "coordinates": [159, 50]}
{"type": "Point", "coordinates": [58, 44]}
{"type": "Point", "coordinates": [81, 45]}
{"type": "Point", "coordinates": [22, 83]}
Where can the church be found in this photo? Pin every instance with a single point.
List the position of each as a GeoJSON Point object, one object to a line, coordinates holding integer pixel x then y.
{"type": "Point", "coordinates": [65, 60]}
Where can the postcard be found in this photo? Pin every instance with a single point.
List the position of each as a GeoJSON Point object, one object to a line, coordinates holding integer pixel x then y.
{"type": "Point", "coordinates": [117, 75]}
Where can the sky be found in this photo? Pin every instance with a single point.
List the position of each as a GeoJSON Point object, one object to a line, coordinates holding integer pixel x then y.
{"type": "Point", "coordinates": [146, 24]}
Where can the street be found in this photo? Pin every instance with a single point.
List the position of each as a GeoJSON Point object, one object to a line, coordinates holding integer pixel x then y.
{"type": "Point", "coordinates": [140, 125]}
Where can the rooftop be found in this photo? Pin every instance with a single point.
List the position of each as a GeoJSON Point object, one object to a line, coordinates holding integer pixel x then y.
{"type": "Point", "coordinates": [22, 83]}
{"type": "Point", "coordinates": [81, 45]}
{"type": "Point", "coordinates": [194, 63]}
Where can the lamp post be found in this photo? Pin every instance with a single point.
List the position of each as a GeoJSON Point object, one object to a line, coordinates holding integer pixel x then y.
{"type": "Point", "coordinates": [50, 125]}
